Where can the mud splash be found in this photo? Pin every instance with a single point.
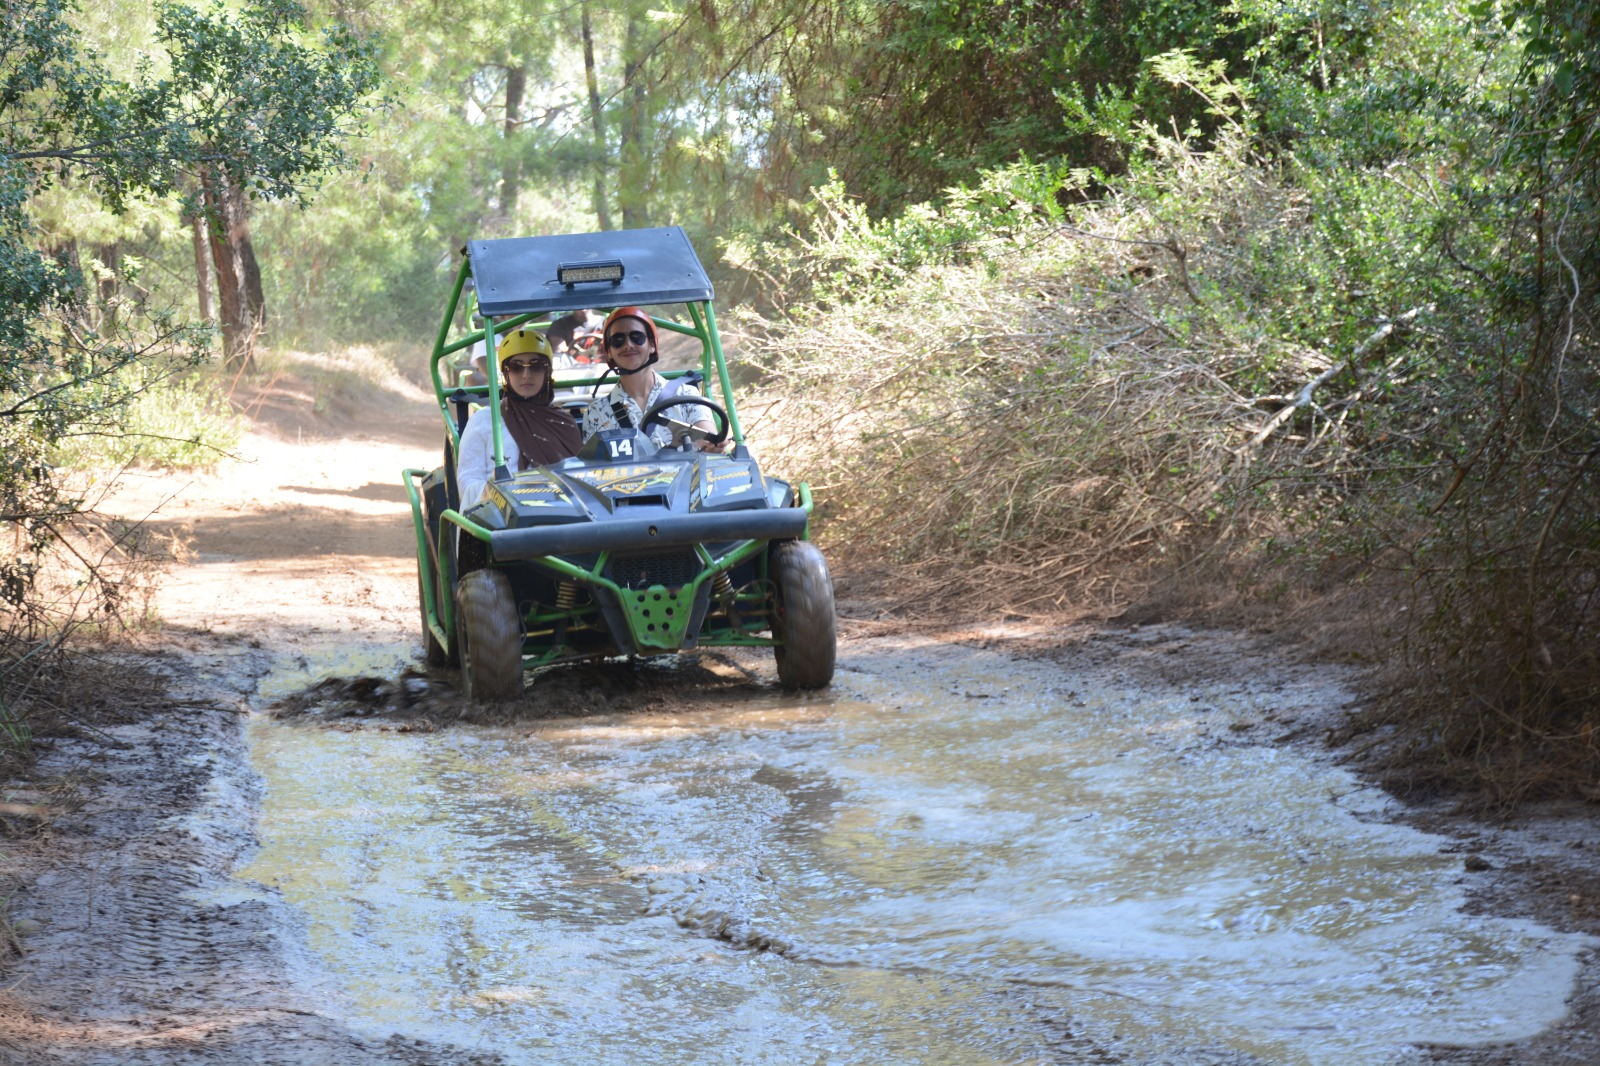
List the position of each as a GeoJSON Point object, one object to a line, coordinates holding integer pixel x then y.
{"type": "Point", "coordinates": [955, 857]}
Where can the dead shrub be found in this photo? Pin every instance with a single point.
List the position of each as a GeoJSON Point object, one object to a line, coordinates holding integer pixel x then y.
{"type": "Point", "coordinates": [93, 578]}
{"type": "Point", "coordinates": [1058, 421]}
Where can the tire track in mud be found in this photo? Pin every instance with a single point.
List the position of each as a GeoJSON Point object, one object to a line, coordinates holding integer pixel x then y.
{"type": "Point", "coordinates": [149, 953]}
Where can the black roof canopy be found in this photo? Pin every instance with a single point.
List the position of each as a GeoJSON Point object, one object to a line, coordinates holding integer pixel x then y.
{"type": "Point", "coordinates": [517, 275]}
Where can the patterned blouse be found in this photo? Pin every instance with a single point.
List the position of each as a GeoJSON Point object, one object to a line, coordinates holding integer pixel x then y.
{"type": "Point", "coordinates": [598, 415]}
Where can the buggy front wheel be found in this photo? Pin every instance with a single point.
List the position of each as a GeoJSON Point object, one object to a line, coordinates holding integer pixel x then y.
{"type": "Point", "coordinates": [490, 636]}
{"type": "Point", "coordinates": [802, 614]}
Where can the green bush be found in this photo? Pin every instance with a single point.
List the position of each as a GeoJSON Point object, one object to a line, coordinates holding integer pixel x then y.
{"type": "Point", "coordinates": [181, 421]}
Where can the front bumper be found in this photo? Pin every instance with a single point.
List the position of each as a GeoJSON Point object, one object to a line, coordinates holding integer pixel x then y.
{"type": "Point", "coordinates": [658, 531]}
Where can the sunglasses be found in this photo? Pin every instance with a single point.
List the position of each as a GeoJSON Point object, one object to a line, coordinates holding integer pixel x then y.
{"type": "Point", "coordinates": [635, 337]}
{"type": "Point", "coordinates": [525, 368]}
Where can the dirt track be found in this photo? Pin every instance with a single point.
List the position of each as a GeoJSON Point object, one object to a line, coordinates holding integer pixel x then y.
{"type": "Point", "coordinates": [146, 951]}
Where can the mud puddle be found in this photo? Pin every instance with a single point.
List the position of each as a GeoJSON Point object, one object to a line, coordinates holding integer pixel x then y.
{"type": "Point", "coordinates": [952, 857]}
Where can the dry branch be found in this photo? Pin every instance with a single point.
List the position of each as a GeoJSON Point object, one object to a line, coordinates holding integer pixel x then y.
{"type": "Point", "coordinates": [1303, 397]}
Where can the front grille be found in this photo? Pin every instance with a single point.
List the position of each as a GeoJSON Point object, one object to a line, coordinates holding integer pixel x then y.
{"type": "Point", "coordinates": [672, 569]}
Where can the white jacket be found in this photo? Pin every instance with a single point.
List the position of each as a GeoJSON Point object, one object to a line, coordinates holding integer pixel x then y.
{"type": "Point", "coordinates": [475, 460]}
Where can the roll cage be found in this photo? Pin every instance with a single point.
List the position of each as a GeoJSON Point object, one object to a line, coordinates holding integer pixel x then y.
{"type": "Point", "coordinates": [512, 281]}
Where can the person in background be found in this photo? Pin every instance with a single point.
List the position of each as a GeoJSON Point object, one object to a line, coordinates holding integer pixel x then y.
{"type": "Point", "coordinates": [564, 333]}
{"type": "Point", "coordinates": [479, 374]}
{"type": "Point", "coordinates": [538, 433]}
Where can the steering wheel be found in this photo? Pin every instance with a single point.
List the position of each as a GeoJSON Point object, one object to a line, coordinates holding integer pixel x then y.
{"type": "Point", "coordinates": [658, 414]}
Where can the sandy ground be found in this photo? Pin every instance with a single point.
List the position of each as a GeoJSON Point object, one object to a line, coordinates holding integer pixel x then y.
{"type": "Point", "coordinates": [133, 949]}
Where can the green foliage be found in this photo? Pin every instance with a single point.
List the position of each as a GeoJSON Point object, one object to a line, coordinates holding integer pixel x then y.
{"type": "Point", "coordinates": [254, 99]}
{"type": "Point", "coordinates": [85, 352]}
{"type": "Point", "coordinates": [162, 420]}
{"type": "Point", "coordinates": [236, 91]}
{"type": "Point", "coordinates": [840, 248]}
{"type": "Point", "coordinates": [719, 118]}
{"type": "Point", "coordinates": [948, 89]}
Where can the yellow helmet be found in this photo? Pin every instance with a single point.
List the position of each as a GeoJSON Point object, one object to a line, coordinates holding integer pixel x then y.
{"type": "Point", "coordinates": [524, 341]}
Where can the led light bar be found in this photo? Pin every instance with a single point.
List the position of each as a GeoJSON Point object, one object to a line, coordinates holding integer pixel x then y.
{"type": "Point", "coordinates": [570, 274]}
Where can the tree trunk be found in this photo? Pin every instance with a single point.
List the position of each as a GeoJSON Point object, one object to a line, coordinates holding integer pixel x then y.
{"type": "Point", "coordinates": [633, 178]}
{"type": "Point", "coordinates": [107, 282]}
{"type": "Point", "coordinates": [241, 303]}
{"type": "Point", "coordinates": [202, 266]}
{"type": "Point", "coordinates": [511, 170]}
{"type": "Point", "coordinates": [597, 116]}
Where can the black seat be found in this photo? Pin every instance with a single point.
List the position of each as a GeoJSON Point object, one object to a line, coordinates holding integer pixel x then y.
{"type": "Point", "coordinates": [462, 402]}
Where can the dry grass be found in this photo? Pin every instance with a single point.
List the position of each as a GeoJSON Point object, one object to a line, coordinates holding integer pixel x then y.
{"type": "Point", "coordinates": [1058, 424]}
{"type": "Point", "coordinates": [91, 586]}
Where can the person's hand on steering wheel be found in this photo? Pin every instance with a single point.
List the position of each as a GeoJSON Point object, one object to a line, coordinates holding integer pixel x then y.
{"type": "Point", "coordinates": [718, 439]}
{"type": "Point", "coordinates": [707, 444]}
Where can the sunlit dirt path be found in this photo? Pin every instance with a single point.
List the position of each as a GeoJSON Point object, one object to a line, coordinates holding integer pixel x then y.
{"type": "Point", "coordinates": [307, 538]}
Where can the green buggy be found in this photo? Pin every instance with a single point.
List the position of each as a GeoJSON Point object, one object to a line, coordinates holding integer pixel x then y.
{"type": "Point", "coordinates": [628, 548]}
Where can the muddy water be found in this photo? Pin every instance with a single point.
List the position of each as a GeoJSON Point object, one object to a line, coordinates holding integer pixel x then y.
{"type": "Point", "coordinates": [951, 858]}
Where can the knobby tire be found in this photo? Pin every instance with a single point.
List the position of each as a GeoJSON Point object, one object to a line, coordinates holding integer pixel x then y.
{"type": "Point", "coordinates": [802, 617]}
{"type": "Point", "coordinates": [491, 637]}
